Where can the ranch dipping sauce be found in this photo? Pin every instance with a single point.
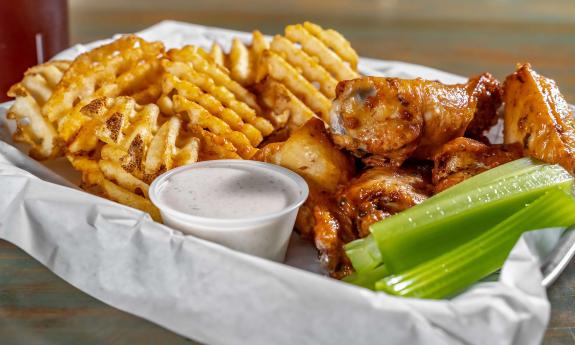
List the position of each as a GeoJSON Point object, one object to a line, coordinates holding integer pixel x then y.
{"type": "Point", "coordinates": [245, 205]}
{"type": "Point", "coordinates": [228, 192]}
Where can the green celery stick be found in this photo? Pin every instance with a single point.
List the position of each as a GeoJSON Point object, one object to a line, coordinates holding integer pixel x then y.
{"type": "Point", "coordinates": [435, 227]}
{"type": "Point", "coordinates": [364, 253]}
{"type": "Point", "coordinates": [367, 279]}
{"type": "Point", "coordinates": [453, 271]}
{"type": "Point", "coordinates": [519, 166]}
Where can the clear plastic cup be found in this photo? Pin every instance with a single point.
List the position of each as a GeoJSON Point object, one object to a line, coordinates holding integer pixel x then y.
{"type": "Point", "coordinates": [266, 235]}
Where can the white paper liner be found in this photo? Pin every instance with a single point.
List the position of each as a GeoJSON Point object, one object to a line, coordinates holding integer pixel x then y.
{"type": "Point", "coordinates": [216, 295]}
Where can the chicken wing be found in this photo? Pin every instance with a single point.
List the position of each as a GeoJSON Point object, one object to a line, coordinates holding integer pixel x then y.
{"type": "Point", "coordinates": [463, 158]}
{"type": "Point", "coordinates": [381, 192]}
{"type": "Point", "coordinates": [394, 119]}
{"type": "Point", "coordinates": [538, 117]}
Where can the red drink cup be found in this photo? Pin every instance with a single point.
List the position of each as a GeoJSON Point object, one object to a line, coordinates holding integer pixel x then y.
{"type": "Point", "coordinates": [31, 32]}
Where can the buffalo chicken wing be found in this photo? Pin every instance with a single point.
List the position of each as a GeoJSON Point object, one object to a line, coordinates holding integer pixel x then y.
{"type": "Point", "coordinates": [538, 117]}
{"type": "Point", "coordinates": [394, 119]}
{"type": "Point", "coordinates": [463, 158]}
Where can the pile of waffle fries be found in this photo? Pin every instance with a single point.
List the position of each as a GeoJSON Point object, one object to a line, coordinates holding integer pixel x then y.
{"type": "Point", "coordinates": [127, 111]}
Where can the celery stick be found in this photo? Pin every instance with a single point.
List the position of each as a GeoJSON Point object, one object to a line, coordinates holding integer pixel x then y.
{"type": "Point", "coordinates": [490, 176]}
{"type": "Point", "coordinates": [362, 252]}
{"type": "Point", "coordinates": [453, 271]}
{"type": "Point", "coordinates": [435, 227]}
{"type": "Point", "coordinates": [367, 279]}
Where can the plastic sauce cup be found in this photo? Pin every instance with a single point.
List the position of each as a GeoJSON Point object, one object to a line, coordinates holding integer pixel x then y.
{"type": "Point", "coordinates": [265, 235]}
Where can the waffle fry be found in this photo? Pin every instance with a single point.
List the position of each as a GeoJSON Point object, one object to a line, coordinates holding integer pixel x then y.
{"type": "Point", "coordinates": [159, 157]}
{"type": "Point", "coordinates": [94, 181]}
{"type": "Point", "coordinates": [127, 66]}
{"type": "Point", "coordinates": [203, 64]}
{"type": "Point", "coordinates": [279, 69]}
{"type": "Point", "coordinates": [108, 119]}
{"type": "Point", "coordinates": [242, 61]}
{"type": "Point", "coordinates": [308, 60]}
{"type": "Point", "coordinates": [314, 46]}
{"type": "Point", "coordinates": [31, 94]}
{"type": "Point", "coordinates": [217, 54]}
{"type": "Point", "coordinates": [198, 115]}
{"type": "Point", "coordinates": [213, 146]}
{"type": "Point", "coordinates": [310, 69]}
{"type": "Point", "coordinates": [189, 152]}
{"type": "Point", "coordinates": [335, 41]}
{"type": "Point", "coordinates": [113, 171]}
{"type": "Point", "coordinates": [240, 65]}
{"type": "Point", "coordinates": [226, 97]}
{"type": "Point", "coordinates": [210, 103]}
{"type": "Point", "coordinates": [289, 111]}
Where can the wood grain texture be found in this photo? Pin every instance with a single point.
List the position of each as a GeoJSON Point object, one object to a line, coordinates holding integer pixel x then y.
{"type": "Point", "coordinates": [464, 37]}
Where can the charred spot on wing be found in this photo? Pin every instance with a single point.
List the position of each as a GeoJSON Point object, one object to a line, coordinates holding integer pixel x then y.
{"type": "Point", "coordinates": [363, 94]}
{"type": "Point", "coordinates": [402, 100]}
{"type": "Point", "coordinates": [350, 122]}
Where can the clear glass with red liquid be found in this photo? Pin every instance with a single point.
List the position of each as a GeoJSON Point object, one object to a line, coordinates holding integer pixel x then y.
{"type": "Point", "coordinates": [31, 32]}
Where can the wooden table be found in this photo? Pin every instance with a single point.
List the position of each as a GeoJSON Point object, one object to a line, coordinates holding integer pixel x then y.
{"type": "Point", "coordinates": [37, 307]}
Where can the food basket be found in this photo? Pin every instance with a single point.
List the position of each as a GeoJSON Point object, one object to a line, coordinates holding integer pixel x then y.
{"type": "Point", "coordinates": [215, 295]}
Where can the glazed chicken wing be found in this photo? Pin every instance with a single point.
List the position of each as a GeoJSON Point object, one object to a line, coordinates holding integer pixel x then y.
{"type": "Point", "coordinates": [374, 195]}
{"type": "Point", "coordinates": [381, 192]}
{"type": "Point", "coordinates": [394, 119]}
{"type": "Point", "coordinates": [463, 158]}
{"type": "Point", "coordinates": [538, 117]}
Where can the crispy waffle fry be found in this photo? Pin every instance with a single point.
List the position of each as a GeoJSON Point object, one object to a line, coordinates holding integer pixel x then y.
{"type": "Point", "coordinates": [188, 153]}
{"type": "Point", "coordinates": [173, 84]}
{"type": "Point", "coordinates": [316, 47]}
{"type": "Point", "coordinates": [127, 66]}
{"type": "Point", "coordinates": [186, 72]}
{"type": "Point", "coordinates": [113, 171]}
{"type": "Point", "coordinates": [242, 61]}
{"type": "Point", "coordinates": [31, 94]}
{"type": "Point", "coordinates": [259, 45]}
{"type": "Point", "coordinates": [213, 146]}
{"type": "Point", "coordinates": [217, 54]}
{"type": "Point", "coordinates": [306, 59]}
{"type": "Point", "coordinates": [106, 178]}
{"type": "Point", "coordinates": [159, 157]}
{"type": "Point", "coordinates": [335, 41]}
{"type": "Point", "coordinates": [308, 66]}
{"type": "Point", "coordinates": [114, 192]}
{"type": "Point", "coordinates": [240, 65]}
{"type": "Point", "coordinates": [198, 115]}
{"type": "Point", "coordinates": [288, 109]}
{"type": "Point", "coordinates": [202, 63]}
{"type": "Point", "coordinates": [278, 68]}
{"type": "Point", "coordinates": [107, 119]}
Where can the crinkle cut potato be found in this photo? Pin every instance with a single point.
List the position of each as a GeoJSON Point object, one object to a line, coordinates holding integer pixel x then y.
{"type": "Point", "coordinates": [127, 111]}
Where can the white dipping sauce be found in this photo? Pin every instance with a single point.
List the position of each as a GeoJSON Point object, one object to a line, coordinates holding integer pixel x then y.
{"type": "Point", "coordinates": [228, 192]}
